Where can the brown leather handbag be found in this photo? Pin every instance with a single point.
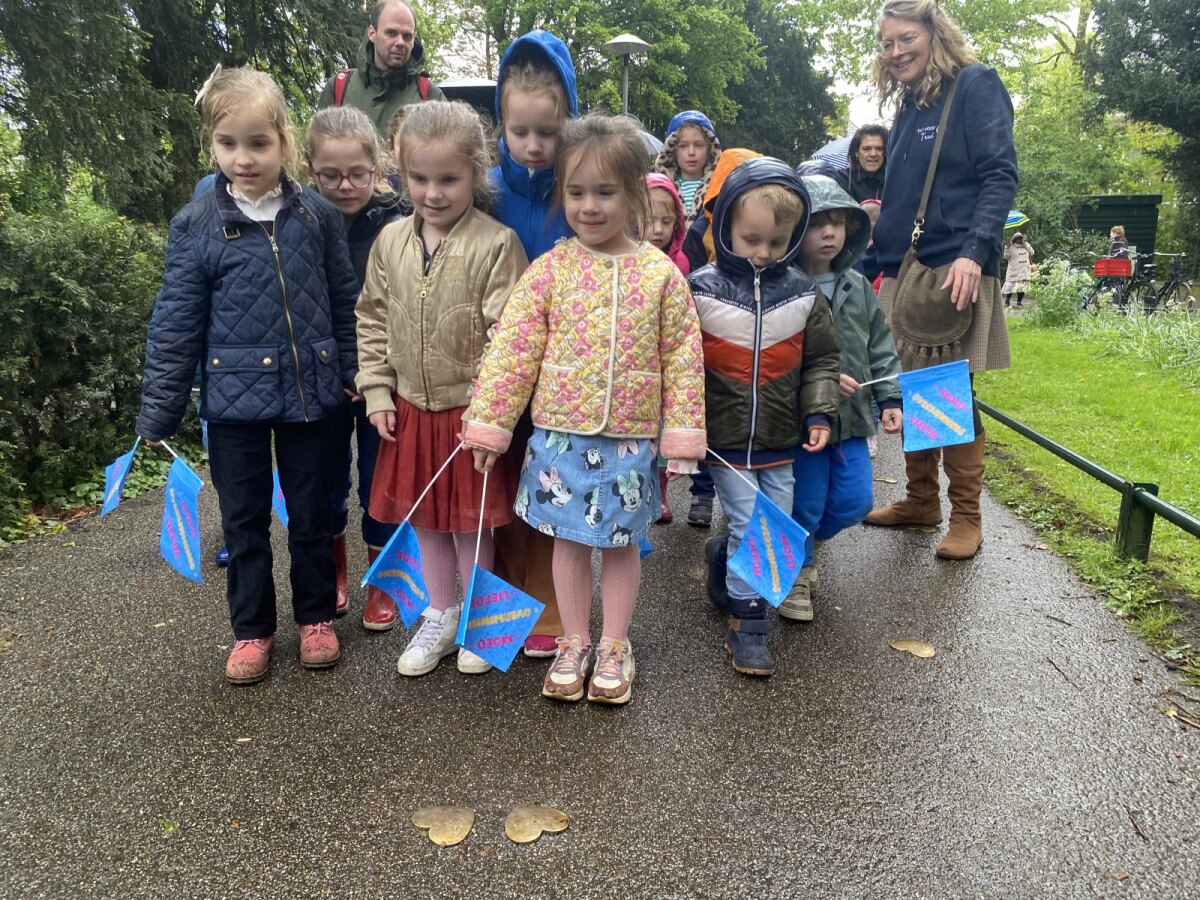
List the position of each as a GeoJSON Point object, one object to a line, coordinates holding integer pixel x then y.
{"type": "Point", "coordinates": [927, 327]}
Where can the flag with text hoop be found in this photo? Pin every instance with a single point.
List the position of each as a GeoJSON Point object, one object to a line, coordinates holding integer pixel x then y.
{"type": "Point", "coordinates": [771, 553]}
{"type": "Point", "coordinates": [179, 539]}
{"type": "Point", "coordinates": [938, 409]}
{"type": "Point", "coordinates": [397, 572]}
{"type": "Point", "coordinates": [115, 474]}
{"type": "Point", "coordinates": [496, 619]}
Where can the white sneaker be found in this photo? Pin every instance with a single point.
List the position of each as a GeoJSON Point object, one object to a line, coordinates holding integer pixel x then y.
{"type": "Point", "coordinates": [797, 605]}
{"type": "Point", "coordinates": [472, 663]}
{"type": "Point", "coordinates": [433, 640]}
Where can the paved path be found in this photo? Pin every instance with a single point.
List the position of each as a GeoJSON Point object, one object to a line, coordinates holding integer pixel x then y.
{"type": "Point", "coordinates": [1014, 764]}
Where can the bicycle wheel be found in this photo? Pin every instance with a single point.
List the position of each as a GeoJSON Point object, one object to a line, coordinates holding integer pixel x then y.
{"type": "Point", "coordinates": [1175, 296]}
{"type": "Point", "coordinates": [1144, 297]}
{"type": "Point", "coordinates": [1091, 300]}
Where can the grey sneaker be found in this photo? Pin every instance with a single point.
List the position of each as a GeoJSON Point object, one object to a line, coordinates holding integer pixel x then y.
{"type": "Point", "coordinates": [568, 673]}
{"type": "Point", "coordinates": [612, 682]}
{"type": "Point", "coordinates": [797, 606]}
{"type": "Point", "coordinates": [700, 512]}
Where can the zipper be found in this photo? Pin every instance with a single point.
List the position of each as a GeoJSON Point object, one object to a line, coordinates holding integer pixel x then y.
{"type": "Point", "coordinates": [754, 369]}
{"type": "Point", "coordinates": [287, 315]}
{"type": "Point", "coordinates": [425, 281]}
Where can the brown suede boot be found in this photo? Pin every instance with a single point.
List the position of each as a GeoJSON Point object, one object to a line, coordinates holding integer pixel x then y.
{"type": "Point", "coordinates": [921, 505]}
{"type": "Point", "coordinates": [964, 468]}
{"type": "Point", "coordinates": [380, 612]}
{"type": "Point", "coordinates": [339, 570]}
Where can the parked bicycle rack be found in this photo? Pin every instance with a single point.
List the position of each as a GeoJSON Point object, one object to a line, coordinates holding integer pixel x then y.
{"type": "Point", "coordinates": [1139, 500]}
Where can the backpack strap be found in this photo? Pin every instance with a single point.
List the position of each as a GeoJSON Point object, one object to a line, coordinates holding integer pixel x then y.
{"type": "Point", "coordinates": [339, 86]}
{"type": "Point", "coordinates": [423, 85]}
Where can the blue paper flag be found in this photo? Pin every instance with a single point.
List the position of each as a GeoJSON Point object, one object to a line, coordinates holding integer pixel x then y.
{"type": "Point", "coordinates": [937, 406]}
{"type": "Point", "coordinates": [772, 551]}
{"type": "Point", "coordinates": [115, 474]}
{"type": "Point", "coordinates": [277, 501]}
{"type": "Point", "coordinates": [397, 572]}
{"type": "Point", "coordinates": [645, 548]}
{"type": "Point", "coordinates": [496, 619]}
{"type": "Point", "coordinates": [179, 540]}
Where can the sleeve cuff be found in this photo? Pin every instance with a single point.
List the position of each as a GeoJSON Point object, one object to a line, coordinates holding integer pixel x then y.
{"type": "Point", "coordinates": [818, 420]}
{"type": "Point", "coordinates": [486, 437]}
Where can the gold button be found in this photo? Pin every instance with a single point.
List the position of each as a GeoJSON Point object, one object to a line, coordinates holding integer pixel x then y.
{"type": "Point", "coordinates": [324, 354]}
{"type": "Point", "coordinates": [266, 360]}
{"type": "Point", "coordinates": [216, 361]}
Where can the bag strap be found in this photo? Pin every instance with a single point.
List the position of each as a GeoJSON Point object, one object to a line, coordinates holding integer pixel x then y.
{"type": "Point", "coordinates": [339, 86]}
{"type": "Point", "coordinates": [423, 85]}
{"type": "Point", "coordinates": [933, 161]}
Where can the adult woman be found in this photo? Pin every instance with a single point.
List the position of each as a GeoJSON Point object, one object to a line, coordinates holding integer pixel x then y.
{"type": "Point", "coordinates": [922, 54]}
{"type": "Point", "coordinates": [867, 155]}
{"type": "Point", "coordinates": [1019, 256]}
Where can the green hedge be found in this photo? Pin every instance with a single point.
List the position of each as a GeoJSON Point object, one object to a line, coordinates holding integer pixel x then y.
{"type": "Point", "coordinates": [77, 284]}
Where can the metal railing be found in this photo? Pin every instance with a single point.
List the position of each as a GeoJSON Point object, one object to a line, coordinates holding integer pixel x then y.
{"type": "Point", "coordinates": [1140, 502]}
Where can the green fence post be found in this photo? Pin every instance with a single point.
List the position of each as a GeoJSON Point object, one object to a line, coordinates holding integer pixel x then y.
{"type": "Point", "coordinates": [1136, 522]}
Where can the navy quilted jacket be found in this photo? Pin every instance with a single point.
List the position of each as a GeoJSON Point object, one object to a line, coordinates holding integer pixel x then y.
{"type": "Point", "coordinates": [272, 319]}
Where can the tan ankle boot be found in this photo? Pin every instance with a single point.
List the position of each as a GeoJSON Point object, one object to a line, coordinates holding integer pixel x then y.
{"type": "Point", "coordinates": [964, 468]}
{"type": "Point", "coordinates": [921, 505]}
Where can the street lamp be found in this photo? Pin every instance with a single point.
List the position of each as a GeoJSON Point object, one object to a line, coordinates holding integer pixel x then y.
{"type": "Point", "coordinates": [624, 46]}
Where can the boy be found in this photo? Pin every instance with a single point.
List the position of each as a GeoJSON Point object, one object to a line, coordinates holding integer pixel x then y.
{"type": "Point", "coordinates": [835, 487]}
{"type": "Point", "coordinates": [690, 150]}
{"type": "Point", "coordinates": [771, 373]}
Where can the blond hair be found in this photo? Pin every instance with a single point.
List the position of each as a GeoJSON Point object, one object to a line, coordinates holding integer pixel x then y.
{"type": "Point", "coordinates": [345, 122]}
{"type": "Point", "coordinates": [948, 51]}
{"type": "Point", "coordinates": [451, 126]}
{"type": "Point", "coordinates": [1118, 230]}
{"type": "Point", "coordinates": [613, 144]}
{"type": "Point", "coordinates": [785, 205]}
{"type": "Point", "coordinates": [530, 77]}
{"type": "Point", "coordinates": [230, 91]}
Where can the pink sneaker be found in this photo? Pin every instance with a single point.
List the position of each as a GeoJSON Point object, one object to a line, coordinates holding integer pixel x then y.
{"type": "Point", "coordinates": [540, 646]}
{"type": "Point", "coordinates": [319, 648]}
{"type": "Point", "coordinates": [249, 661]}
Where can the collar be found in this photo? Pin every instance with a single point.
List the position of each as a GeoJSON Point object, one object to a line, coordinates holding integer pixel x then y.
{"type": "Point", "coordinates": [535, 184]}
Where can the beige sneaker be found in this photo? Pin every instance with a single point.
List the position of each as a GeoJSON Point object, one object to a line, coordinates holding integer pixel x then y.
{"type": "Point", "coordinates": [612, 682]}
{"type": "Point", "coordinates": [568, 673]}
{"type": "Point", "coordinates": [797, 606]}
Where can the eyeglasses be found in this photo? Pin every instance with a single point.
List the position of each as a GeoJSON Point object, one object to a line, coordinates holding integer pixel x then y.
{"type": "Point", "coordinates": [331, 179]}
{"type": "Point", "coordinates": [904, 44]}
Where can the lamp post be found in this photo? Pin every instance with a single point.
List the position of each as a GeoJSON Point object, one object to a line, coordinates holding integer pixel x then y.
{"type": "Point", "coordinates": [624, 46]}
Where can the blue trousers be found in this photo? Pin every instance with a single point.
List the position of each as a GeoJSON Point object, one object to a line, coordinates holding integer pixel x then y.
{"type": "Point", "coordinates": [374, 532]}
{"type": "Point", "coordinates": [737, 499]}
{"type": "Point", "coordinates": [834, 490]}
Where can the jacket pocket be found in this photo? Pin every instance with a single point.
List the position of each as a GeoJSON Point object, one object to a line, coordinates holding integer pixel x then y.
{"type": "Point", "coordinates": [637, 400]}
{"type": "Point", "coordinates": [558, 400]}
{"type": "Point", "coordinates": [329, 380]}
{"type": "Point", "coordinates": [243, 383]}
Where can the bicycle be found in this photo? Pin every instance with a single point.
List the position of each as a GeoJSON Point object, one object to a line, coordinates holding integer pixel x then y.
{"type": "Point", "coordinates": [1175, 292]}
{"type": "Point", "coordinates": [1111, 287]}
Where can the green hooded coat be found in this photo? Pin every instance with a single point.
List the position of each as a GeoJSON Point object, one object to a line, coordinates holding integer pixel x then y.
{"type": "Point", "coordinates": [381, 93]}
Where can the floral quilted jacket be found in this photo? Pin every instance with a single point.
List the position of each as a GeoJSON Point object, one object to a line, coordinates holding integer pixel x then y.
{"type": "Point", "coordinates": [605, 345]}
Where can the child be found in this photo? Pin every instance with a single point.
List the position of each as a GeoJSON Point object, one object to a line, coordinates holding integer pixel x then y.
{"type": "Point", "coordinates": [1018, 256]}
{"type": "Point", "coordinates": [344, 159]}
{"type": "Point", "coordinates": [771, 372]}
{"type": "Point", "coordinates": [436, 283]}
{"type": "Point", "coordinates": [602, 332]}
{"type": "Point", "coordinates": [1118, 246]}
{"type": "Point", "coordinates": [835, 487]}
{"type": "Point", "coordinates": [535, 94]}
{"type": "Point", "coordinates": [689, 153]}
{"type": "Point", "coordinates": [258, 281]}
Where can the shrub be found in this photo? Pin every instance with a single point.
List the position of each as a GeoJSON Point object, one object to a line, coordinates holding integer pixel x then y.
{"type": "Point", "coordinates": [1054, 295]}
{"type": "Point", "coordinates": [77, 284]}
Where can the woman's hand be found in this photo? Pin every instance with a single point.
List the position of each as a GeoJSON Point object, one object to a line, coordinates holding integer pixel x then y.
{"type": "Point", "coordinates": [385, 423]}
{"type": "Point", "coordinates": [963, 282]}
{"type": "Point", "coordinates": [891, 420]}
{"type": "Point", "coordinates": [847, 386]}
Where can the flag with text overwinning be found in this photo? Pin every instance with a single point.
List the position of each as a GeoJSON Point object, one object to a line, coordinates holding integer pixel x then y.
{"type": "Point", "coordinates": [496, 619]}
{"type": "Point", "coordinates": [645, 548]}
{"type": "Point", "coordinates": [179, 539]}
{"type": "Point", "coordinates": [937, 406]}
{"type": "Point", "coordinates": [397, 572]}
{"type": "Point", "coordinates": [772, 551]}
{"type": "Point", "coordinates": [277, 501]}
{"type": "Point", "coordinates": [115, 474]}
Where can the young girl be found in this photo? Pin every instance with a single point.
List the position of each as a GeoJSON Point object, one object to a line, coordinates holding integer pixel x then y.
{"type": "Point", "coordinates": [535, 94]}
{"type": "Point", "coordinates": [436, 283]}
{"type": "Point", "coordinates": [344, 159]}
{"type": "Point", "coordinates": [1018, 256]}
{"type": "Point", "coordinates": [259, 281]}
{"type": "Point", "coordinates": [689, 154]}
{"type": "Point", "coordinates": [603, 333]}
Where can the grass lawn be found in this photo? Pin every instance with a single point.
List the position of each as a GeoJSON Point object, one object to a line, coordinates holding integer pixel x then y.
{"type": "Point", "coordinates": [1127, 415]}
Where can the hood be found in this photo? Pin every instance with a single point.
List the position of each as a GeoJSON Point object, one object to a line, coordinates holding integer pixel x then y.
{"type": "Point", "coordinates": [750, 174]}
{"type": "Point", "coordinates": [690, 117]}
{"type": "Point", "coordinates": [663, 183]}
{"type": "Point", "coordinates": [545, 48]}
{"type": "Point", "coordinates": [1018, 237]}
{"type": "Point", "coordinates": [375, 75]}
{"type": "Point", "coordinates": [728, 161]}
{"type": "Point", "coordinates": [825, 194]}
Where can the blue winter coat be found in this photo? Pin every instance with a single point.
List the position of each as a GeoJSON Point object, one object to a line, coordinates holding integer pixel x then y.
{"type": "Point", "coordinates": [272, 318]}
{"type": "Point", "coordinates": [525, 197]}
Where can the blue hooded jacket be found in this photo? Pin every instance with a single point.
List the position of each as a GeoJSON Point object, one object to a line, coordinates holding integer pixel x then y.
{"type": "Point", "coordinates": [524, 197]}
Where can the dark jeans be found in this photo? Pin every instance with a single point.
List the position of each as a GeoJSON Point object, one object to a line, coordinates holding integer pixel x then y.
{"type": "Point", "coordinates": [374, 532]}
{"type": "Point", "coordinates": [702, 484]}
{"type": "Point", "coordinates": [240, 464]}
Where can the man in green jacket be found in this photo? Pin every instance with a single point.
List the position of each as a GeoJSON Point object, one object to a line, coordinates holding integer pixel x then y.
{"type": "Point", "coordinates": [390, 72]}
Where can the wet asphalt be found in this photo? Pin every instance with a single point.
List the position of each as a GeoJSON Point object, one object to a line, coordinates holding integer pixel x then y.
{"type": "Point", "coordinates": [1030, 758]}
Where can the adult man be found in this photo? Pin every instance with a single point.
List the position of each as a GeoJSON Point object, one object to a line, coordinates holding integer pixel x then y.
{"type": "Point", "coordinates": [390, 73]}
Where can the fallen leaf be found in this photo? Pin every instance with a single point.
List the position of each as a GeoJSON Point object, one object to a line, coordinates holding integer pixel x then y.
{"type": "Point", "coordinates": [159, 625]}
{"type": "Point", "coordinates": [887, 479]}
{"type": "Point", "coordinates": [244, 740]}
{"type": "Point", "coordinates": [526, 824]}
{"type": "Point", "coordinates": [1120, 876]}
{"type": "Point", "coordinates": [444, 825]}
{"type": "Point", "coordinates": [916, 648]}
{"type": "Point", "coordinates": [928, 529]}
{"type": "Point", "coordinates": [1041, 546]}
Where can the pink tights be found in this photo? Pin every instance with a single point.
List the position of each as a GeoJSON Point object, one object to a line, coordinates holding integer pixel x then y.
{"type": "Point", "coordinates": [620, 574]}
{"type": "Point", "coordinates": [440, 555]}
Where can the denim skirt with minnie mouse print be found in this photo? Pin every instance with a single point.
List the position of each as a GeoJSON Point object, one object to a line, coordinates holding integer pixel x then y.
{"type": "Point", "coordinates": [594, 490]}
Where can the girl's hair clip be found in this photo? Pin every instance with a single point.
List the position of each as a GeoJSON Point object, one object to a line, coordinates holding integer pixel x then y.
{"type": "Point", "coordinates": [207, 84]}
